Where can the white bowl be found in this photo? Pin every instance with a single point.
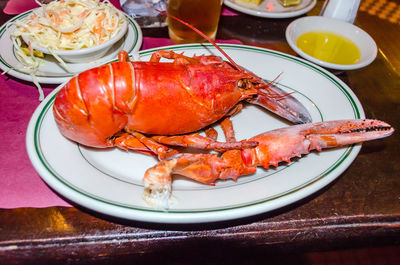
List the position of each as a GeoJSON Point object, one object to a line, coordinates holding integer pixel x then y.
{"type": "Point", "coordinates": [86, 54]}
{"type": "Point", "coordinates": [364, 42]}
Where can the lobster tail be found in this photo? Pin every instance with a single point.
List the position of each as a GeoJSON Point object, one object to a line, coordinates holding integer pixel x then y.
{"type": "Point", "coordinates": [91, 107]}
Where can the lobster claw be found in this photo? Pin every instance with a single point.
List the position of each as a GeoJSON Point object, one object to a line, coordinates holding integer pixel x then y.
{"type": "Point", "coordinates": [274, 146]}
{"type": "Point", "coordinates": [283, 144]}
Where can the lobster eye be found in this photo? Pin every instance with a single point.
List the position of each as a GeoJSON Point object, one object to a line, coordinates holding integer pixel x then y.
{"type": "Point", "coordinates": [244, 83]}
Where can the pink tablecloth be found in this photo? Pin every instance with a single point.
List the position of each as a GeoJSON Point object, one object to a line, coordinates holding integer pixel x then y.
{"type": "Point", "coordinates": [20, 185]}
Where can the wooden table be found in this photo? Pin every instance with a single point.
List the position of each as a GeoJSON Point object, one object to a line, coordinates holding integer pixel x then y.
{"type": "Point", "coordinates": [360, 209]}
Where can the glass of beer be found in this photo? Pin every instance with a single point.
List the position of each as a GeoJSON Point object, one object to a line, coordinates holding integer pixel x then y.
{"type": "Point", "coordinates": [202, 14]}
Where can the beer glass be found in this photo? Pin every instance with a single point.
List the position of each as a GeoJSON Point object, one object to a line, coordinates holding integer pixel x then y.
{"type": "Point", "coordinates": [202, 14]}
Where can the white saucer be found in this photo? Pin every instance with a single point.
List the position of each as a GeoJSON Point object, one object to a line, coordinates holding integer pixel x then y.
{"type": "Point", "coordinates": [52, 72]}
{"type": "Point", "coordinates": [272, 8]}
{"type": "Point", "coordinates": [359, 37]}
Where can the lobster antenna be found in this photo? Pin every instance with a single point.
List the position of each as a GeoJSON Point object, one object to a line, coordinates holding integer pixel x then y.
{"type": "Point", "coordinates": [204, 36]}
{"type": "Point", "coordinates": [272, 93]}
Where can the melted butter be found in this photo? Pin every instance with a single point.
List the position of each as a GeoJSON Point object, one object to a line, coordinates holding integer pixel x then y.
{"type": "Point", "coordinates": [329, 47]}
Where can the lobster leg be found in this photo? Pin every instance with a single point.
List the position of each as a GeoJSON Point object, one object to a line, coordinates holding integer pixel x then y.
{"type": "Point", "coordinates": [138, 142]}
{"type": "Point", "coordinates": [182, 59]}
{"type": "Point", "coordinates": [211, 133]}
{"type": "Point", "coordinates": [178, 58]}
{"type": "Point", "coordinates": [227, 127]}
{"type": "Point", "coordinates": [123, 56]}
{"type": "Point", "coordinates": [156, 145]}
{"type": "Point", "coordinates": [208, 143]}
{"type": "Point", "coordinates": [160, 150]}
{"type": "Point", "coordinates": [274, 146]}
{"type": "Point", "coordinates": [201, 142]}
{"type": "Point", "coordinates": [127, 141]}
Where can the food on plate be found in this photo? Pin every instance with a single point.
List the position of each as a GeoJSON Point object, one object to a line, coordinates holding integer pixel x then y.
{"type": "Point", "coordinates": [70, 24]}
{"type": "Point", "coordinates": [64, 25]}
{"type": "Point", "coordinates": [252, 2]}
{"type": "Point", "coordinates": [287, 3]}
{"type": "Point", "coordinates": [35, 52]}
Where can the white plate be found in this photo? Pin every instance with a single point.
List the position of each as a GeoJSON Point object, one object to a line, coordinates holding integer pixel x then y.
{"type": "Point", "coordinates": [109, 181]}
{"type": "Point", "coordinates": [51, 72]}
{"type": "Point", "coordinates": [272, 8]}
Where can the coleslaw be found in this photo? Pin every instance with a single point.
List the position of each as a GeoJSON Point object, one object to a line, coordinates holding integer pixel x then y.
{"type": "Point", "coordinates": [64, 25]}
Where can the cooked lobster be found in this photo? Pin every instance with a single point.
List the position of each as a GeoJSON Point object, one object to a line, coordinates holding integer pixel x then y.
{"type": "Point", "coordinates": [102, 107]}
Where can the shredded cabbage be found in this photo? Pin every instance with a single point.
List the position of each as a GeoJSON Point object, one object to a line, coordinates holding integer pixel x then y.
{"type": "Point", "coordinates": [71, 24]}
{"type": "Point", "coordinates": [65, 25]}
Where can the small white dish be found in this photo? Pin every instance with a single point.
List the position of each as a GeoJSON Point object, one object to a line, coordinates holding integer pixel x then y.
{"type": "Point", "coordinates": [87, 54]}
{"type": "Point", "coordinates": [359, 37]}
{"type": "Point", "coordinates": [272, 8]}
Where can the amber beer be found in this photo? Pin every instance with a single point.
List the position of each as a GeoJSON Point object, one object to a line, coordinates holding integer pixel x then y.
{"type": "Point", "coordinates": [202, 14]}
